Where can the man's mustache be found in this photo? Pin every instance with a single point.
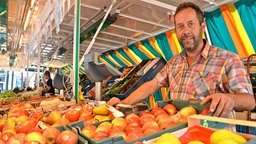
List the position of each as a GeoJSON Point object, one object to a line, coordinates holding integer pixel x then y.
{"type": "Point", "coordinates": [185, 36]}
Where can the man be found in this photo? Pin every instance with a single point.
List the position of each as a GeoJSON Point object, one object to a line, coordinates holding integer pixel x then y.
{"type": "Point", "coordinates": [200, 71]}
{"type": "Point", "coordinates": [48, 84]}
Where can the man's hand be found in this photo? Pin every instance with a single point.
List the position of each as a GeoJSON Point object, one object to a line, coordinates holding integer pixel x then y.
{"type": "Point", "coordinates": [221, 104]}
{"type": "Point", "coordinates": [114, 101]}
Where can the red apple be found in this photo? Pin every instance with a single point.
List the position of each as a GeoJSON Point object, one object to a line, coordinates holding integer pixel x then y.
{"type": "Point", "coordinates": [67, 137]}
{"type": "Point", "coordinates": [86, 116]}
{"type": "Point", "coordinates": [132, 128]}
{"type": "Point", "coordinates": [132, 118]}
{"type": "Point", "coordinates": [117, 128]}
{"type": "Point", "coordinates": [156, 109]}
{"type": "Point", "coordinates": [131, 115]}
{"type": "Point", "coordinates": [170, 108]}
{"type": "Point", "coordinates": [6, 136]}
{"type": "Point", "coordinates": [61, 122]}
{"type": "Point", "coordinates": [17, 139]}
{"type": "Point", "coordinates": [150, 124]}
{"type": "Point", "coordinates": [37, 115]}
{"type": "Point", "coordinates": [117, 131]}
{"type": "Point", "coordinates": [145, 119]}
{"type": "Point", "coordinates": [144, 112]}
{"type": "Point", "coordinates": [167, 124]}
{"type": "Point", "coordinates": [159, 112]}
{"type": "Point", "coordinates": [105, 126]}
{"type": "Point", "coordinates": [133, 136]}
{"type": "Point", "coordinates": [89, 130]}
{"type": "Point", "coordinates": [182, 120]}
{"type": "Point", "coordinates": [165, 120]}
{"type": "Point", "coordinates": [151, 131]}
{"type": "Point", "coordinates": [24, 127]}
{"type": "Point", "coordinates": [147, 115]}
{"type": "Point", "coordinates": [187, 111]}
{"type": "Point", "coordinates": [51, 134]}
{"type": "Point", "coordinates": [21, 112]}
{"type": "Point", "coordinates": [162, 116]}
{"type": "Point", "coordinates": [99, 135]}
{"type": "Point", "coordinates": [14, 140]}
{"type": "Point", "coordinates": [36, 129]}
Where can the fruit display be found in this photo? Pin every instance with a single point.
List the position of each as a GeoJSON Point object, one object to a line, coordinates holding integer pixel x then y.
{"type": "Point", "coordinates": [36, 123]}
{"type": "Point", "coordinates": [134, 126]}
{"type": "Point", "coordinates": [96, 123]}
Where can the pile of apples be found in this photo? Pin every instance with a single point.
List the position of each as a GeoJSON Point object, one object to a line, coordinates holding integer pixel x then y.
{"type": "Point", "coordinates": [135, 126]}
{"type": "Point", "coordinates": [36, 136]}
{"type": "Point", "coordinates": [21, 126]}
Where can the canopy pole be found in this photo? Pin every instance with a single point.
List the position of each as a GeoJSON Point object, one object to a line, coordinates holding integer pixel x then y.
{"type": "Point", "coordinates": [97, 32]}
{"type": "Point", "coordinates": [76, 48]}
{"type": "Point", "coordinates": [39, 58]}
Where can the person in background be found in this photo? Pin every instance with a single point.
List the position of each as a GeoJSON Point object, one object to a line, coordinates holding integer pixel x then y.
{"type": "Point", "coordinates": [48, 84]}
{"type": "Point", "coordinates": [200, 71]}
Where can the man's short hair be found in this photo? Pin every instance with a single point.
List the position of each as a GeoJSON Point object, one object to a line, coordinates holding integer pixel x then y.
{"type": "Point", "coordinates": [199, 12]}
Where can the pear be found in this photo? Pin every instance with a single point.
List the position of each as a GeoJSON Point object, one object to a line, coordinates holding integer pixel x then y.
{"type": "Point", "coordinates": [101, 110]}
{"type": "Point", "coordinates": [223, 134]}
{"type": "Point", "coordinates": [101, 118]}
{"type": "Point", "coordinates": [52, 118]}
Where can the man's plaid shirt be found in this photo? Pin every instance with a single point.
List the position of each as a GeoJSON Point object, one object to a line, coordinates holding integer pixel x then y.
{"type": "Point", "coordinates": [215, 71]}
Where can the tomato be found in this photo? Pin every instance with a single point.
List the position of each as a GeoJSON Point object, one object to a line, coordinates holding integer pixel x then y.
{"type": "Point", "coordinates": [206, 111]}
{"type": "Point", "coordinates": [72, 115]}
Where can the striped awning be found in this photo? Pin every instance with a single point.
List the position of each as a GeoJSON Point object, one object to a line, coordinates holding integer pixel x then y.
{"type": "Point", "coordinates": [231, 27]}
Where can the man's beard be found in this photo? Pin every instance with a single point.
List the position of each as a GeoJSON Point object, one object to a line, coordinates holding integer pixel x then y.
{"type": "Point", "coordinates": [189, 42]}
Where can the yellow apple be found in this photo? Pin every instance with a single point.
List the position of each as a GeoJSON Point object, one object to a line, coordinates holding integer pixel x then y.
{"type": "Point", "coordinates": [187, 111]}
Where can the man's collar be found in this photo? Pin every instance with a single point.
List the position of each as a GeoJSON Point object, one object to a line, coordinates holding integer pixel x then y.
{"type": "Point", "coordinates": [205, 52]}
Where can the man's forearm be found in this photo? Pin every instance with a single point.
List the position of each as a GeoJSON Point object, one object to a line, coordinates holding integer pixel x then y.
{"type": "Point", "coordinates": [243, 102]}
{"type": "Point", "coordinates": [141, 93]}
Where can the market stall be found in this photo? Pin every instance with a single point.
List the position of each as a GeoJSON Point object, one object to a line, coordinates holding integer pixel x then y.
{"type": "Point", "coordinates": [85, 44]}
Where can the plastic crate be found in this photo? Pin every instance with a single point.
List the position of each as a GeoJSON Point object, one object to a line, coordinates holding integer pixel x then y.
{"type": "Point", "coordinates": [81, 140]}
{"type": "Point", "coordinates": [149, 75]}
